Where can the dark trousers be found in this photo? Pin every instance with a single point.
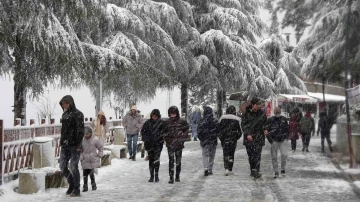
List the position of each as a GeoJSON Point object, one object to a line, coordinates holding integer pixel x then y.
{"type": "Point", "coordinates": [254, 154]}
{"type": "Point", "coordinates": [86, 173]}
{"type": "Point", "coordinates": [325, 135]}
{"type": "Point", "coordinates": [228, 153]}
{"type": "Point", "coordinates": [154, 161]}
{"type": "Point", "coordinates": [69, 153]}
{"type": "Point", "coordinates": [293, 145]}
{"type": "Point", "coordinates": [306, 139]}
{"type": "Point", "coordinates": [174, 154]}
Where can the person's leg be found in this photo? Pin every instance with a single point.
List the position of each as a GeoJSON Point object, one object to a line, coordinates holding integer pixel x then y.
{"type": "Point", "coordinates": [231, 158]}
{"type": "Point", "coordinates": [92, 178]}
{"type": "Point", "coordinates": [212, 152]}
{"type": "Point", "coordinates": [129, 145]}
{"type": "Point", "coordinates": [171, 154]}
{"type": "Point", "coordinates": [257, 157]}
{"type": "Point", "coordinates": [249, 151]}
{"type": "Point", "coordinates": [284, 154]}
{"type": "Point", "coordinates": [322, 141]}
{"type": "Point", "coordinates": [151, 164]}
{"type": "Point", "coordinates": [225, 155]}
{"type": "Point", "coordinates": [274, 153]}
{"type": "Point", "coordinates": [327, 136]}
{"type": "Point", "coordinates": [156, 163]}
{"type": "Point", "coordinates": [64, 160]}
{"type": "Point", "coordinates": [205, 157]}
{"type": "Point", "coordinates": [293, 145]}
{"type": "Point", "coordinates": [195, 133]}
{"type": "Point", "coordinates": [178, 156]}
{"type": "Point", "coordinates": [74, 162]}
{"type": "Point", "coordinates": [85, 177]}
{"type": "Point", "coordinates": [134, 147]}
{"type": "Point", "coordinates": [303, 140]}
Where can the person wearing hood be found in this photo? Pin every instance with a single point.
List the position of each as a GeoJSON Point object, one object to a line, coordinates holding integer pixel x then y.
{"type": "Point", "coordinates": [254, 139]}
{"type": "Point", "coordinates": [208, 130]}
{"type": "Point", "coordinates": [72, 133]}
{"type": "Point", "coordinates": [294, 127]}
{"type": "Point", "coordinates": [277, 133]}
{"type": "Point", "coordinates": [153, 137]}
{"type": "Point", "coordinates": [92, 151]}
{"type": "Point", "coordinates": [176, 134]}
{"type": "Point", "coordinates": [307, 126]}
{"type": "Point", "coordinates": [132, 123]}
{"type": "Point", "coordinates": [101, 127]}
{"type": "Point", "coordinates": [324, 126]}
{"type": "Point", "coordinates": [230, 133]}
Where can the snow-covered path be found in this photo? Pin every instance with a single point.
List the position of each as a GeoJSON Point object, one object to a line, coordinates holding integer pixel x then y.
{"type": "Point", "coordinates": [310, 177]}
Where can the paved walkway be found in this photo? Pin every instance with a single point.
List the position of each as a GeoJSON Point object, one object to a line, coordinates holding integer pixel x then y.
{"type": "Point", "coordinates": [310, 177]}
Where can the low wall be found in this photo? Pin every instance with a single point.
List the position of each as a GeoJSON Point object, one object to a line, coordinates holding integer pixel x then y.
{"type": "Point", "coordinates": [342, 144]}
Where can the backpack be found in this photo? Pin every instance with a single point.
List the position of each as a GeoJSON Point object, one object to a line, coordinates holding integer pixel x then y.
{"type": "Point", "coordinates": [306, 124]}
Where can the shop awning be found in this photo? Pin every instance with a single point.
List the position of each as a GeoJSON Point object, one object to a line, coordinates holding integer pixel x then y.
{"type": "Point", "coordinates": [328, 97]}
{"type": "Point", "coordinates": [297, 98]}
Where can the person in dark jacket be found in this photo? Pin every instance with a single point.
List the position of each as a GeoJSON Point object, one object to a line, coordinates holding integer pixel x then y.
{"type": "Point", "coordinates": [176, 134]}
{"type": "Point", "coordinates": [230, 133]}
{"type": "Point", "coordinates": [294, 127]}
{"type": "Point", "coordinates": [72, 133]}
{"type": "Point", "coordinates": [277, 133]}
{"type": "Point", "coordinates": [324, 126]}
{"type": "Point", "coordinates": [208, 130]}
{"type": "Point", "coordinates": [307, 126]}
{"type": "Point", "coordinates": [254, 139]}
{"type": "Point", "coordinates": [194, 121]}
{"type": "Point", "coordinates": [153, 137]}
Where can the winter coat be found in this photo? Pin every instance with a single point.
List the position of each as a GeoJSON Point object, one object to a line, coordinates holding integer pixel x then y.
{"type": "Point", "coordinates": [132, 123]}
{"type": "Point", "coordinates": [195, 118]}
{"type": "Point", "coordinates": [325, 123]}
{"type": "Point", "coordinates": [294, 127]}
{"type": "Point", "coordinates": [208, 128]}
{"type": "Point", "coordinates": [307, 124]}
{"type": "Point", "coordinates": [230, 127]}
{"type": "Point", "coordinates": [72, 124]}
{"type": "Point", "coordinates": [253, 124]}
{"type": "Point", "coordinates": [153, 133]}
{"type": "Point", "coordinates": [91, 153]}
{"type": "Point", "coordinates": [101, 131]}
{"type": "Point", "coordinates": [278, 129]}
{"type": "Point", "coordinates": [176, 132]}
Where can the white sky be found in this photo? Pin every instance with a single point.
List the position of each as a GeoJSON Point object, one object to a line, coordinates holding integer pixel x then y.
{"type": "Point", "coordinates": [83, 100]}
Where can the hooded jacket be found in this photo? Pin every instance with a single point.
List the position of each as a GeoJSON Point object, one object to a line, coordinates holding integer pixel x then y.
{"type": "Point", "coordinates": [176, 130]}
{"type": "Point", "coordinates": [132, 123]}
{"type": "Point", "coordinates": [91, 153]}
{"type": "Point", "coordinates": [208, 128]}
{"type": "Point", "coordinates": [278, 129]}
{"type": "Point", "coordinates": [230, 128]}
{"type": "Point", "coordinates": [307, 124]}
{"type": "Point", "coordinates": [101, 131]}
{"type": "Point", "coordinates": [253, 124]}
{"type": "Point", "coordinates": [152, 132]}
{"type": "Point", "coordinates": [72, 124]}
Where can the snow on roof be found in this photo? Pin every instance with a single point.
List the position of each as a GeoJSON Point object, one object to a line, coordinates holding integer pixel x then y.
{"type": "Point", "coordinates": [303, 98]}
{"type": "Point", "coordinates": [328, 97]}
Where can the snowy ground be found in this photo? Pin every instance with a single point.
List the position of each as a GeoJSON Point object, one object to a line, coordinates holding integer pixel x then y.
{"type": "Point", "coordinates": [310, 177]}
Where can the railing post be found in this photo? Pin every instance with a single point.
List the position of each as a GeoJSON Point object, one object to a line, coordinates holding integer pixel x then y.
{"type": "Point", "coordinates": [1, 151]}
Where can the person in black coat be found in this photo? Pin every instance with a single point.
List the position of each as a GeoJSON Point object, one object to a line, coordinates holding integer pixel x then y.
{"type": "Point", "coordinates": [152, 135]}
{"type": "Point", "coordinates": [72, 133]}
{"type": "Point", "coordinates": [176, 133]}
{"type": "Point", "coordinates": [252, 124]}
{"type": "Point", "coordinates": [324, 126]}
{"type": "Point", "coordinates": [230, 133]}
{"type": "Point", "coordinates": [208, 130]}
{"type": "Point", "coordinates": [277, 133]}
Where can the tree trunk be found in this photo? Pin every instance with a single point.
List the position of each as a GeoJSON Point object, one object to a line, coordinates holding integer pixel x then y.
{"type": "Point", "coordinates": [97, 96]}
{"type": "Point", "coordinates": [221, 99]}
{"type": "Point", "coordinates": [184, 99]}
{"type": "Point", "coordinates": [20, 90]}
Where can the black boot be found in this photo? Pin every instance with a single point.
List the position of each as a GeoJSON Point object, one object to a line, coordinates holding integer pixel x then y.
{"type": "Point", "coordinates": [85, 186]}
{"type": "Point", "coordinates": [75, 193]}
{"type": "Point", "coordinates": [151, 177]}
{"type": "Point", "coordinates": [93, 186]}
{"type": "Point", "coordinates": [70, 189]}
{"type": "Point", "coordinates": [171, 181]}
{"type": "Point", "coordinates": [177, 178]}
{"type": "Point", "coordinates": [157, 174]}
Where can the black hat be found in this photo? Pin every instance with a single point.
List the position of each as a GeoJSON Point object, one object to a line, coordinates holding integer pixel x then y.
{"type": "Point", "coordinates": [255, 100]}
{"type": "Point", "coordinates": [155, 112]}
{"type": "Point", "coordinates": [173, 110]}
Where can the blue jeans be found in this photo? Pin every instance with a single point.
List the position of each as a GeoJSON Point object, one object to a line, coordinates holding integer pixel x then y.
{"type": "Point", "coordinates": [132, 143]}
{"type": "Point", "coordinates": [69, 153]}
{"type": "Point", "coordinates": [194, 130]}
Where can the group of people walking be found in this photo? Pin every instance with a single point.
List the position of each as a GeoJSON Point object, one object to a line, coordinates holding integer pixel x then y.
{"type": "Point", "coordinates": [79, 144]}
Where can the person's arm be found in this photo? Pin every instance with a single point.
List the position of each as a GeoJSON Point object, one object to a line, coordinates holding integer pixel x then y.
{"type": "Point", "coordinates": [124, 121]}
{"type": "Point", "coordinates": [79, 125]}
{"type": "Point", "coordinates": [100, 148]}
{"type": "Point", "coordinates": [313, 126]}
